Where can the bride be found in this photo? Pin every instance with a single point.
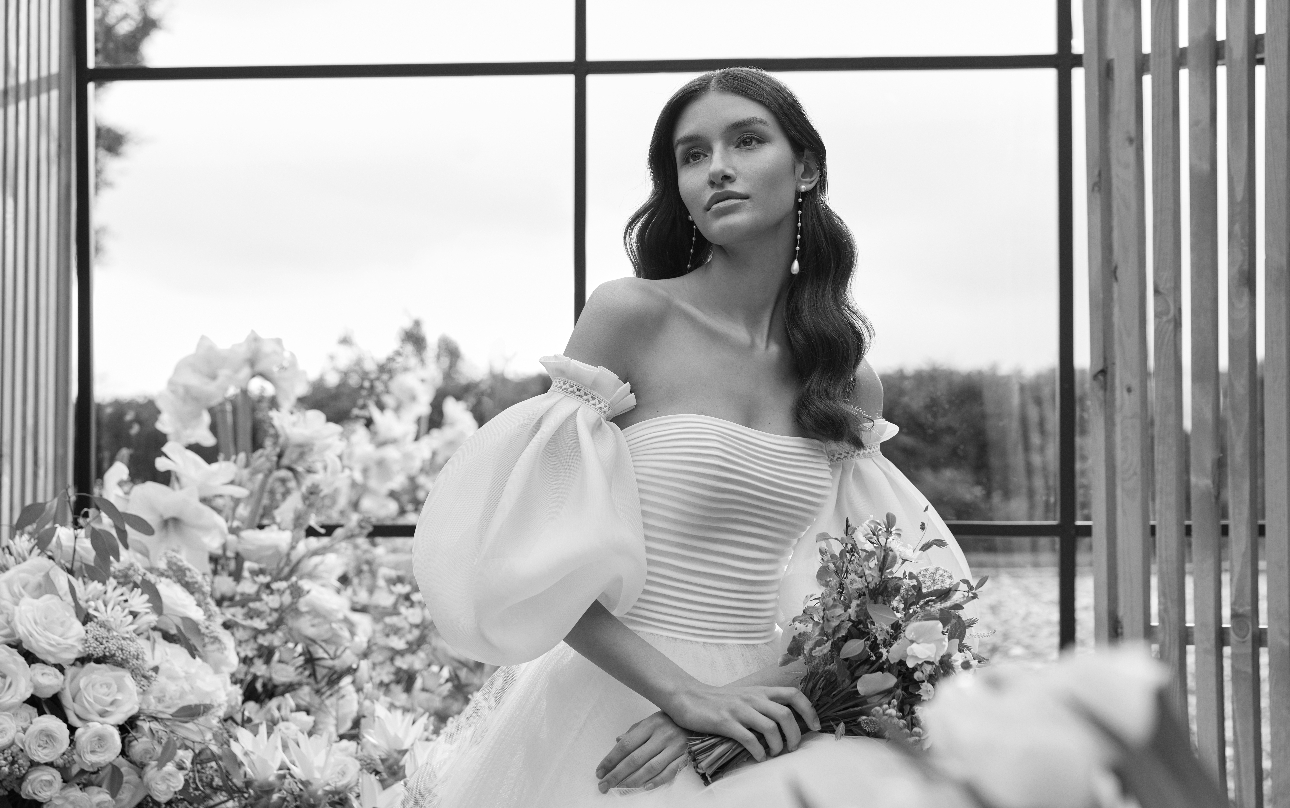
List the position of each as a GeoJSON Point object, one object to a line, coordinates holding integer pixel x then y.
{"type": "Point", "coordinates": [627, 545]}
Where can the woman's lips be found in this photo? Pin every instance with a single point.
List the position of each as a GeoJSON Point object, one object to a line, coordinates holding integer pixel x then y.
{"type": "Point", "coordinates": [725, 203]}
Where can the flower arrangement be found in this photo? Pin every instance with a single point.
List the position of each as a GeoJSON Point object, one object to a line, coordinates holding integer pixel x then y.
{"type": "Point", "coordinates": [113, 673]}
{"type": "Point", "coordinates": [876, 641]}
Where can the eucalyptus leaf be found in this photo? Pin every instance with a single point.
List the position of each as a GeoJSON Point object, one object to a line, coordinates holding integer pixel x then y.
{"type": "Point", "coordinates": [30, 514]}
{"type": "Point", "coordinates": [138, 523]}
{"type": "Point", "coordinates": [149, 590]}
{"type": "Point", "coordinates": [852, 648]}
{"type": "Point", "coordinates": [115, 780]}
{"type": "Point", "coordinates": [110, 511]}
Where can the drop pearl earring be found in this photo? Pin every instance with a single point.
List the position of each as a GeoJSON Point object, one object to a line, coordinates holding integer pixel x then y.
{"type": "Point", "coordinates": [694, 237]}
{"type": "Point", "coordinates": [797, 249]}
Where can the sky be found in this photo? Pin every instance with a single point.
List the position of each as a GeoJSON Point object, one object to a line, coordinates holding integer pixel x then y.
{"type": "Point", "coordinates": [308, 209]}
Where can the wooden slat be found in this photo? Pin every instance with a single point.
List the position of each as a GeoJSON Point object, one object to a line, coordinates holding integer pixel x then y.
{"type": "Point", "coordinates": [19, 201]}
{"type": "Point", "coordinates": [1128, 245]}
{"type": "Point", "coordinates": [40, 265]}
{"type": "Point", "coordinates": [1242, 404]}
{"type": "Point", "coordinates": [1206, 542]}
{"type": "Point", "coordinates": [1101, 389]}
{"type": "Point", "coordinates": [1166, 273]}
{"type": "Point", "coordinates": [64, 266]}
{"type": "Point", "coordinates": [8, 333]}
{"type": "Point", "coordinates": [1276, 387]}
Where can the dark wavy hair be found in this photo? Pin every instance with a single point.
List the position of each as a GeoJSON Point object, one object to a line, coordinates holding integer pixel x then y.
{"type": "Point", "coordinates": [827, 334]}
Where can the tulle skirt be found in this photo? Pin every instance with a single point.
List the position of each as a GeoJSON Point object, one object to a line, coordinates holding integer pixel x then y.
{"type": "Point", "coordinates": [534, 734]}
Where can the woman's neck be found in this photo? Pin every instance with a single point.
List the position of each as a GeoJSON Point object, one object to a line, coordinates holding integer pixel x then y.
{"type": "Point", "coordinates": [745, 286]}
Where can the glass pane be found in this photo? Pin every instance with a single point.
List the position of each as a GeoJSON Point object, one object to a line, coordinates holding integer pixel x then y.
{"type": "Point", "coordinates": [277, 32]}
{"type": "Point", "coordinates": [1018, 607]}
{"type": "Point", "coordinates": [948, 181]}
{"type": "Point", "coordinates": [725, 29]}
{"type": "Point", "coordinates": [312, 210]}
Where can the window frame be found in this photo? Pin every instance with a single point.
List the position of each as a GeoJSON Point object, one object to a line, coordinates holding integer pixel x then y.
{"type": "Point", "coordinates": [1062, 61]}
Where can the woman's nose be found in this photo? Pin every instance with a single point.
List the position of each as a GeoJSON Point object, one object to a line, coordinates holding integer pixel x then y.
{"type": "Point", "coordinates": [719, 169]}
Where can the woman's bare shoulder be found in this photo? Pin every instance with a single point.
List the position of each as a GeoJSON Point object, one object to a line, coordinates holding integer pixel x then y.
{"type": "Point", "coordinates": [618, 322]}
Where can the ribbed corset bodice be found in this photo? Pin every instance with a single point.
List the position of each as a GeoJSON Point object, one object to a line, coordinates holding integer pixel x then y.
{"type": "Point", "coordinates": [722, 506]}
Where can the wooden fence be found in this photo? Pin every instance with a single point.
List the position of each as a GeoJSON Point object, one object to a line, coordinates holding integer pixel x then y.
{"type": "Point", "coordinates": [36, 328]}
{"type": "Point", "coordinates": [1217, 472]}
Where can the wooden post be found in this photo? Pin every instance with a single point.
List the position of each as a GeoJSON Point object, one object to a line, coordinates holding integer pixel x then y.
{"type": "Point", "coordinates": [1128, 246]}
{"type": "Point", "coordinates": [1101, 388]}
{"type": "Point", "coordinates": [1166, 273]}
{"type": "Point", "coordinates": [1242, 404]}
{"type": "Point", "coordinates": [1276, 387]}
{"type": "Point", "coordinates": [1206, 543]}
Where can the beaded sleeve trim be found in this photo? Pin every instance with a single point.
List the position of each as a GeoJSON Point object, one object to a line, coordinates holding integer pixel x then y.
{"type": "Point", "coordinates": [584, 394]}
{"type": "Point", "coordinates": [847, 454]}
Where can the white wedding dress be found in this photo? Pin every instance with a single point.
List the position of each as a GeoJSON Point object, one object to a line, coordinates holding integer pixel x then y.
{"type": "Point", "coordinates": [697, 532]}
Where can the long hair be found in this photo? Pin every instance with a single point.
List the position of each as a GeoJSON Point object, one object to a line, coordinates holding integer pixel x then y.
{"type": "Point", "coordinates": [827, 334]}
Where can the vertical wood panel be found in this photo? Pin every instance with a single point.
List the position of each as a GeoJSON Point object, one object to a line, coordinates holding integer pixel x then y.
{"type": "Point", "coordinates": [19, 253]}
{"type": "Point", "coordinates": [62, 406]}
{"type": "Point", "coordinates": [1276, 386]}
{"type": "Point", "coordinates": [1128, 245]}
{"type": "Point", "coordinates": [1242, 409]}
{"type": "Point", "coordinates": [1166, 273]}
{"type": "Point", "coordinates": [1207, 551]}
{"type": "Point", "coordinates": [8, 334]}
{"type": "Point", "coordinates": [1101, 389]}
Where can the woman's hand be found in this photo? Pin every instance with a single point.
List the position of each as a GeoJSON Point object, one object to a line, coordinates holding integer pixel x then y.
{"type": "Point", "coordinates": [646, 756]}
{"type": "Point", "coordinates": [744, 712]}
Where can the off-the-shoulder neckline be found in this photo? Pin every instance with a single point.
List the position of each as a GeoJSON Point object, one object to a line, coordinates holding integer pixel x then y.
{"type": "Point", "coordinates": [725, 422]}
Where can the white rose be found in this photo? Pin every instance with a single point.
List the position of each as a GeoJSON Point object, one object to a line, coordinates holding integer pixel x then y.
{"type": "Point", "coordinates": [70, 796]}
{"type": "Point", "coordinates": [221, 651]}
{"type": "Point", "coordinates": [98, 692]}
{"type": "Point", "coordinates": [24, 714]}
{"type": "Point", "coordinates": [41, 783]}
{"type": "Point", "coordinates": [8, 730]}
{"type": "Point", "coordinates": [265, 547]}
{"type": "Point", "coordinates": [46, 739]}
{"type": "Point", "coordinates": [47, 627]}
{"type": "Point", "coordinates": [99, 797]}
{"type": "Point", "coordinates": [177, 601]}
{"type": "Point", "coordinates": [45, 681]}
{"type": "Point", "coordinates": [162, 783]}
{"type": "Point", "coordinates": [144, 750]}
{"type": "Point", "coordinates": [15, 678]}
{"type": "Point", "coordinates": [182, 680]}
{"type": "Point", "coordinates": [97, 745]}
{"type": "Point", "coordinates": [31, 579]}
{"type": "Point", "coordinates": [342, 773]}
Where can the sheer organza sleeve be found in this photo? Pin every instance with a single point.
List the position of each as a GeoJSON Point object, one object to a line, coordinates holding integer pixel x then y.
{"type": "Point", "coordinates": [866, 484]}
{"type": "Point", "coordinates": [535, 517]}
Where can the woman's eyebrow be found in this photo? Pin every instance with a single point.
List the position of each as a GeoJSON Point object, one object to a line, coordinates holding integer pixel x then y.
{"type": "Point", "coordinates": [739, 124]}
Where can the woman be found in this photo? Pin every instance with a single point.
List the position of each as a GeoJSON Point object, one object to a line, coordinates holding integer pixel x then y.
{"type": "Point", "coordinates": [705, 416]}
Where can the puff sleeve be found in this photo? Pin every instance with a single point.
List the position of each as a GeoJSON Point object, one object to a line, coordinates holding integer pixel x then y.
{"type": "Point", "coordinates": [532, 519]}
{"type": "Point", "coordinates": [866, 484]}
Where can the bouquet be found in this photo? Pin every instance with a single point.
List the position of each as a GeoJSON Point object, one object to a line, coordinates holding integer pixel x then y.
{"type": "Point", "coordinates": [113, 674]}
{"type": "Point", "coordinates": [875, 642]}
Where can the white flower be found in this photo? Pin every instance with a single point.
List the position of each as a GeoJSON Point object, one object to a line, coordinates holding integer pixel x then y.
{"type": "Point", "coordinates": [392, 730]}
{"type": "Point", "coordinates": [412, 393]}
{"type": "Point", "coordinates": [200, 381]}
{"type": "Point", "coordinates": [371, 795]}
{"type": "Point", "coordinates": [177, 601]}
{"type": "Point", "coordinates": [48, 627]}
{"type": "Point", "coordinates": [162, 783]}
{"type": "Point", "coordinates": [15, 678]}
{"type": "Point", "coordinates": [24, 714]}
{"type": "Point", "coordinates": [41, 783]}
{"type": "Point", "coordinates": [261, 753]}
{"type": "Point", "coordinates": [181, 681]}
{"type": "Point", "coordinates": [182, 523]}
{"type": "Point", "coordinates": [32, 578]}
{"type": "Point", "coordinates": [46, 739]}
{"type": "Point", "coordinates": [45, 681]}
{"type": "Point", "coordinates": [210, 479]}
{"type": "Point", "coordinates": [306, 437]}
{"type": "Point", "coordinates": [99, 797]}
{"type": "Point", "coordinates": [270, 358]}
{"type": "Point", "coordinates": [70, 796]}
{"type": "Point", "coordinates": [72, 544]}
{"type": "Point", "coordinates": [132, 789]}
{"type": "Point", "coordinates": [8, 729]}
{"type": "Point", "coordinates": [924, 641]}
{"type": "Point", "coordinates": [116, 474]}
{"type": "Point", "coordinates": [99, 693]}
{"type": "Point", "coordinates": [265, 546]}
{"type": "Point", "coordinates": [221, 651]}
{"type": "Point", "coordinates": [97, 745]}
{"type": "Point", "coordinates": [321, 763]}
{"type": "Point", "coordinates": [390, 426]}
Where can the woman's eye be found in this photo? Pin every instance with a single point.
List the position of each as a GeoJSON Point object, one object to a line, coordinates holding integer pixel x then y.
{"type": "Point", "coordinates": [748, 140]}
{"type": "Point", "coordinates": [693, 155]}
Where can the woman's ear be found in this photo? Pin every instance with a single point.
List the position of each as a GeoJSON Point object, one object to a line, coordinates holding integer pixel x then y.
{"type": "Point", "coordinates": [808, 170]}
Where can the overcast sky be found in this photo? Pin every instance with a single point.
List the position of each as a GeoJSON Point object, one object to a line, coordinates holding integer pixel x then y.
{"type": "Point", "coordinates": [305, 209]}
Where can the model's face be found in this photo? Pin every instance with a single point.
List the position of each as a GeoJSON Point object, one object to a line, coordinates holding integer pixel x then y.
{"type": "Point", "coordinates": [736, 170]}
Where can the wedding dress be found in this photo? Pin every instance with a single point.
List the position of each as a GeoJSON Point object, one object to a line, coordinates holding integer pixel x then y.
{"type": "Point", "coordinates": [697, 532]}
